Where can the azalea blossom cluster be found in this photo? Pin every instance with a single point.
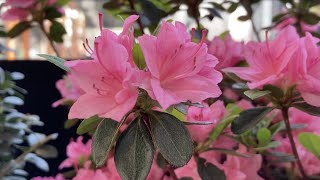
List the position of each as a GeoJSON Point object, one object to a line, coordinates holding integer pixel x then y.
{"type": "Point", "coordinates": [286, 61]}
{"type": "Point", "coordinates": [111, 81]}
{"type": "Point", "coordinates": [179, 71]}
{"type": "Point", "coordinates": [21, 10]}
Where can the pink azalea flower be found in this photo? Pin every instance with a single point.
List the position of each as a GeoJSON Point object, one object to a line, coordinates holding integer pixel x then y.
{"type": "Point", "coordinates": [106, 80]}
{"type": "Point", "coordinates": [268, 60]}
{"type": "Point", "coordinates": [76, 151]}
{"type": "Point", "coordinates": [180, 69]}
{"type": "Point", "coordinates": [69, 90]}
{"type": "Point", "coordinates": [309, 161]}
{"type": "Point", "coordinates": [230, 94]}
{"type": "Point", "coordinates": [20, 4]}
{"type": "Point", "coordinates": [309, 70]}
{"type": "Point", "coordinates": [239, 168]}
{"type": "Point", "coordinates": [85, 174]}
{"type": "Point", "coordinates": [213, 113]}
{"type": "Point", "coordinates": [58, 177]}
{"type": "Point", "coordinates": [15, 14]}
{"type": "Point", "coordinates": [228, 52]}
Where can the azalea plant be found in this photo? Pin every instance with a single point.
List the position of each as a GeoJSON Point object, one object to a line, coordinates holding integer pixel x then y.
{"type": "Point", "coordinates": [173, 104]}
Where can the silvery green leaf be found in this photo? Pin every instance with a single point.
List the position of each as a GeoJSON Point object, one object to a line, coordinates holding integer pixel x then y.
{"type": "Point", "coordinates": [13, 178]}
{"type": "Point", "coordinates": [2, 76]}
{"type": "Point", "coordinates": [17, 75]}
{"type": "Point", "coordinates": [20, 172]}
{"type": "Point", "coordinates": [37, 161]}
{"type": "Point", "coordinates": [34, 138]}
{"type": "Point", "coordinates": [13, 100]}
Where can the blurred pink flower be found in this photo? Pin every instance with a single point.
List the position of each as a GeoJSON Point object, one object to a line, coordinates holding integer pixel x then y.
{"type": "Point", "coordinates": [310, 163]}
{"type": "Point", "coordinates": [239, 168]}
{"type": "Point", "coordinates": [180, 69]}
{"type": "Point", "coordinates": [69, 90]}
{"type": "Point", "coordinates": [309, 68]}
{"type": "Point", "coordinates": [19, 3]}
{"type": "Point", "coordinates": [230, 94]}
{"type": "Point", "coordinates": [227, 51]}
{"type": "Point", "coordinates": [58, 177]}
{"type": "Point", "coordinates": [14, 14]}
{"type": "Point", "coordinates": [213, 113]}
{"type": "Point", "coordinates": [268, 60]}
{"type": "Point", "coordinates": [291, 21]}
{"type": "Point", "coordinates": [106, 80]}
{"type": "Point", "coordinates": [244, 104]}
{"type": "Point", "coordinates": [85, 174]}
{"type": "Point", "coordinates": [76, 152]}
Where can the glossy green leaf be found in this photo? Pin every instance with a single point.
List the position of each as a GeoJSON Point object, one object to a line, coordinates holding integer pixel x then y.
{"type": "Point", "coordinates": [254, 94]}
{"type": "Point", "coordinates": [171, 138]}
{"type": "Point", "coordinates": [248, 119]}
{"type": "Point", "coordinates": [264, 136]}
{"type": "Point", "coordinates": [311, 142]}
{"type": "Point", "coordinates": [208, 171]}
{"type": "Point", "coordinates": [18, 29]}
{"type": "Point", "coordinates": [57, 31]}
{"type": "Point", "coordinates": [88, 125]}
{"type": "Point", "coordinates": [103, 139]}
{"type": "Point", "coordinates": [275, 91]}
{"type": "Point", "coordinates": [55, 60]}
{"type": "Point", "coordinates": [223, 124]}
{"type": "Point", "coordinates": [134, 152]}
{"type": "Point", "coordinates": [312, 110]}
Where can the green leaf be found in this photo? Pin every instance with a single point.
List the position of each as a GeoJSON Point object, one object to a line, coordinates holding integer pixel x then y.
{"type": "Point", "coordinates": [171, 138]}
{"type": "Point", "coordinates": [57, 31]}
{"type": "Point", "coordinates": [62, 2]}
{"type": "Point", "coordinates": [312, 110]}
{"type": "Point", "coordinates": [254, 94]}
{"type": "Point", "coordinates": [103, 139]}
{"type": "Point", "coordinates": [47, 151]}
{"type": "Point", "coordinates": [232, 7]}
{"type": "Point", "coordinates": [275, 128]}
{"type": "Point", "coordinates": [244, 18]}
{"type": "Point", "coordinates": [55, 60]}
{"type": "Point", "coordinates": [51, 13]}
{"type": "Point", "coordinates": [88, 125]}
{"type": "Point", "coordinates": [248, 119]}
{"type": "Point", "coordinates": [220, 127]}
{"type": "Point", "coordinates": [311, 18]}
{"type": "Point", "coordinates": [138, 57]}
{"type": "Point", "coordinates": [69, 123]}
{"type": "Point", "coordinates": [275, 91]}
{"type": "Point", "coordinates": [264, 136]}
{"type": "Point", "coordinates": [272, 144]}
{"type": "Point", "coordinates": [134, 152]}
{"type": "Point", "coordinates": [277, 17]}
{"type": "Point", "coordinates": [208, 171]}
{"type": "Point", "coordinates": [18, 29]}
{"type": "Point", "coordinates": [229, 152]}
{"type": "Point", "coordinates": [311, 142]}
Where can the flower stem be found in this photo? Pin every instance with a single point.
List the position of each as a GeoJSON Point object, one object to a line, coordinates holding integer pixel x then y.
{"type": "Point", "coordinates": [292, 143]}
{"type": "Point", "coordinates": [49, 39]}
